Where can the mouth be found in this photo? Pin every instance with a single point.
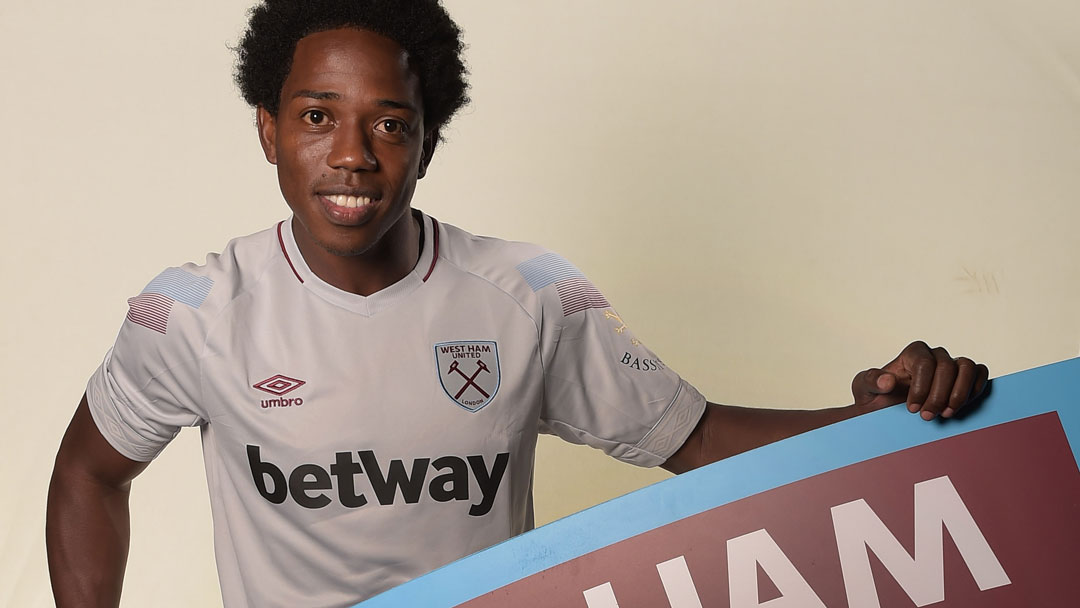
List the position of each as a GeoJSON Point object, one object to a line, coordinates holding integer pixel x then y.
{"type": "Point", "coordinates": [348, 201]}
{"type": "Point", "coordinates": [349, 208]}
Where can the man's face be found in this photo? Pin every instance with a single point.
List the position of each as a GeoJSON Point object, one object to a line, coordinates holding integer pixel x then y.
{"type": "Point", "coordinates": [349, 143]}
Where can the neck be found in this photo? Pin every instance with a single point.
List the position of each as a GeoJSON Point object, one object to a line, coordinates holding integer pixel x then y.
{"type": "Point", "coordinates": [388, 261]}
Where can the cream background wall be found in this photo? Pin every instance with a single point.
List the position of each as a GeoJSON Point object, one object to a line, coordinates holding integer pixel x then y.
{"type": "Point", "coordinates": [775, 194]}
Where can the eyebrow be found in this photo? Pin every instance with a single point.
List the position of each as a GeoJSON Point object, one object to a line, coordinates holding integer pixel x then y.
{"type": "Point", "coordinates": [384, 103]}
{"type": "Point", "coordinates": [316, 94]}
{"type": "Point", "coordinates": [398, 105]}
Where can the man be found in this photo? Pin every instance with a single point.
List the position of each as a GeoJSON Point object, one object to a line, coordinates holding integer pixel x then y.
{"type": "Point", "coordinates": [370, 382]}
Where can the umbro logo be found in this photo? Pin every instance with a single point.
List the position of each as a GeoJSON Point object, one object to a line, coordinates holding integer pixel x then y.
{"type": "Point", "coordinates": [279, 385]}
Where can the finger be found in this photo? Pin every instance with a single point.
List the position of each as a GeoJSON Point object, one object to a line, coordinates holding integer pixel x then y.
{"type": "Point", "coordinates": [982, 380]}
{"type": "Point", "coordinates": [922, 377]}
{"type": "Point", "coordinates": [944, 379]}
{"type": "Point", "coordinates": [874, 382]}
{"type": "Point", "coordinates": [913, 352]}
{"type": "Point", "coordinates": [963, 388]}
{"type": "Point", "coordinates": [884, 383]}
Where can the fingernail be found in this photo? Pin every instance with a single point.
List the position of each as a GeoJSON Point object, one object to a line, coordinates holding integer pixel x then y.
{"type": "Point", "coordinates": [927, 415]}
{"type": "Point", "coordinates": [913, 407]}
{"type": "Point", "coordinates": [948, 412]}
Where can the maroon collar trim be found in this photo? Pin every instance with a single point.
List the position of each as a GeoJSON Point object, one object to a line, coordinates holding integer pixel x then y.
{"type": "Point", "coordinates": [434, 247]}
{"type": "Point", "coordinates": [281, 241]}
{"type": "Point", "coordinates": [431, 268]}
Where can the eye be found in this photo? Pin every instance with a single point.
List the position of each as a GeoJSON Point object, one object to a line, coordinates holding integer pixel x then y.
{"type": "Point", "coordinates": [391, 126]}
{"type": "Point", "coordinates": [314, 117]}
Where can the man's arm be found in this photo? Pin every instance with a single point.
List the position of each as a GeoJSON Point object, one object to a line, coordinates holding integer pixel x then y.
{"type": "Point", "coordinates": [930, 380]}
{"type": "Point", "coordinates": [86, 523]}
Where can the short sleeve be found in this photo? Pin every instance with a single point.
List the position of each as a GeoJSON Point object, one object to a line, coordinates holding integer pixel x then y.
{"type": "Point", "coordinates": [148, 385]}
{"type": "Point", "coordinates": [602, 386]}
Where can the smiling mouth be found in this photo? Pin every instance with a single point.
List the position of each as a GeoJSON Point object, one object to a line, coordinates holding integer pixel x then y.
{"type": "Point", "coordinates": [342, 200]}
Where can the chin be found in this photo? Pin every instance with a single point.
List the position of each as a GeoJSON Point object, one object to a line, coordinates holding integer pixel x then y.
{"type": "Point", "coordinates": [345, 250]}
{"type": "Point", "coordinates": [340, 241]}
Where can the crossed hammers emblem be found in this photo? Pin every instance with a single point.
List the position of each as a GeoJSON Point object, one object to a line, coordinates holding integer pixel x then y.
{"type": "Point", "coordinates": [470, 380]}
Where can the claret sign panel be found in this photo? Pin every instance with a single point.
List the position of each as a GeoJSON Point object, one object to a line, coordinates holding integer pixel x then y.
{"type": "Point", "coordinates": [879, 512]}
{"type": "Point", "coordinates": [929, 523]}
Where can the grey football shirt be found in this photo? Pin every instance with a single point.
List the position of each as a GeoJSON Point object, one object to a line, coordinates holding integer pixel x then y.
{"type": "Point", "coordinates": [352, 443]}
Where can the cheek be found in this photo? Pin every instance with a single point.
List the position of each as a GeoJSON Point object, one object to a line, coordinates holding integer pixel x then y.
{"type": "Point", "coordinates": [312, 155]}
{"type": "Point", "coordinates": [409, 162]}
{"type": "Point", "coordinates": [301, 165]}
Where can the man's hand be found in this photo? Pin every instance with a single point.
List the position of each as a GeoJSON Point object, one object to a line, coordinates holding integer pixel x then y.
{"type": "Point", "coordinates": [929, 379]}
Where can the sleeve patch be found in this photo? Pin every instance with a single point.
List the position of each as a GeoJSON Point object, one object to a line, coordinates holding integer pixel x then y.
{"type": "Point", "coordinates": [152, 307]}
{"type": "Point", "coordinates": [576, 293]}
{"type": "Point", "coordinates": [546, 269]}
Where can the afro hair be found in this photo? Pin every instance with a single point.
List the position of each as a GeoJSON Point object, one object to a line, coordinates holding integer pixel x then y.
{"type": "Point", "coordinates": [422, 28]}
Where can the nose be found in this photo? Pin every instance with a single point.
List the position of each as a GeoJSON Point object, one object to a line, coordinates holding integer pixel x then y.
{"type": "Point", "coordinates": [351, 150]}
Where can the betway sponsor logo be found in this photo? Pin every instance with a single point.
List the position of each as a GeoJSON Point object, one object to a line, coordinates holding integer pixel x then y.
{"type": "Point", "coordinates": [311, 486]}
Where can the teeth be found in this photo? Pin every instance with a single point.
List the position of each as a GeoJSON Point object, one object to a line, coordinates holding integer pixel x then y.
{"type": "Point", "coordinates": [342, 200]}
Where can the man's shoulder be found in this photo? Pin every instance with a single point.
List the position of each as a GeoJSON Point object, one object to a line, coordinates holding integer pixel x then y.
{"type": "Point", "coordinates": [192, 295]}
{"type": "Point", "coordinates": [471, 251]}
{"type": "Point", "coordinates": [528, 272]}
{"type": "Point", "coordinates": [243, 260]}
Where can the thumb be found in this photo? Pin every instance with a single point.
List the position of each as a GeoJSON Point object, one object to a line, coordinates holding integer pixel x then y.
{"type": "Point", "coordinates": [873, 382]}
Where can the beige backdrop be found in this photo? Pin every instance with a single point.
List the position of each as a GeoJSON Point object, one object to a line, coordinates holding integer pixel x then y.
{"type": "Point", "coordinates": [775, 194]}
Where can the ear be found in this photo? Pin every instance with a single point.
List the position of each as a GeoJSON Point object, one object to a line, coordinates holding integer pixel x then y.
{"type": "Point", "coordinates": [431, 139]}
{"type": "Point", "coordinates": [267, 127]}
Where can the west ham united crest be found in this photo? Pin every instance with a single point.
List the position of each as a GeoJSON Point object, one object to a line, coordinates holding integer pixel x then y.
{"type": "Point", "coordinates": [468, 372]}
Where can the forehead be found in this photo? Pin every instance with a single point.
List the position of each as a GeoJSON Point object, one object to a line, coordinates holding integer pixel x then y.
{"type": "Point", "coordinates": [351, 62]}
